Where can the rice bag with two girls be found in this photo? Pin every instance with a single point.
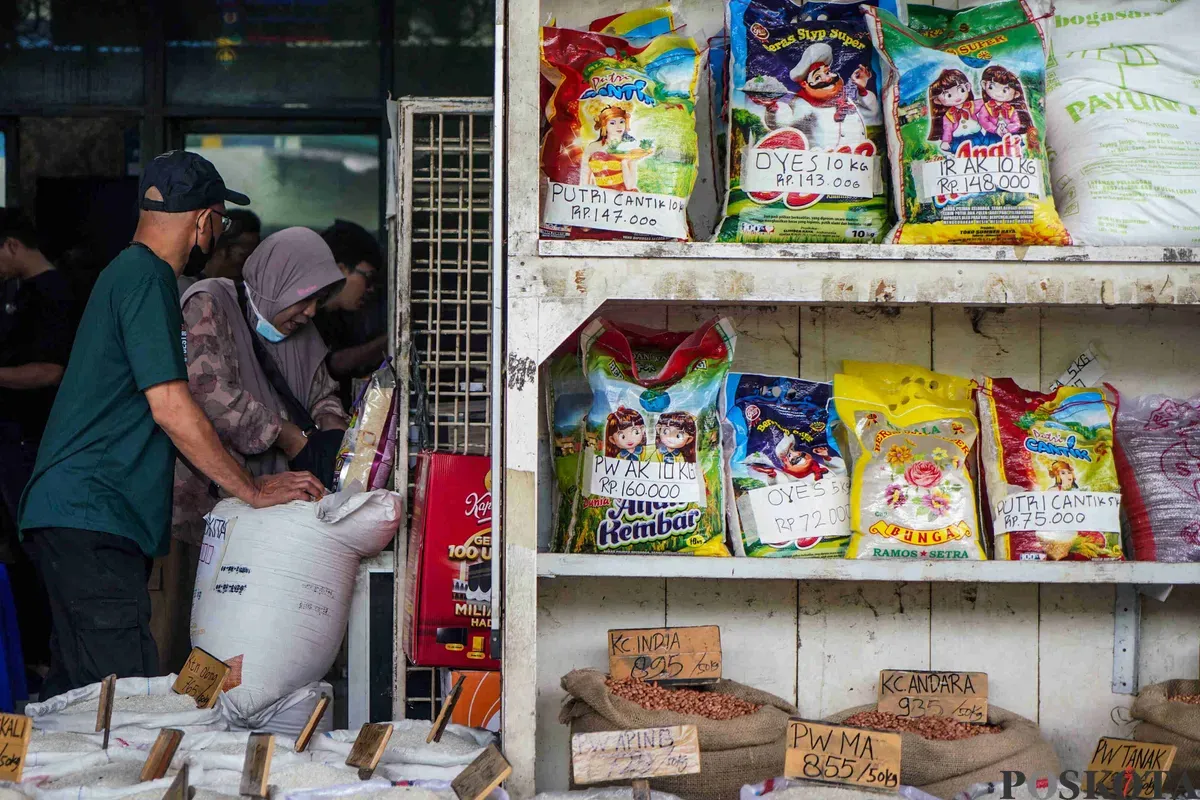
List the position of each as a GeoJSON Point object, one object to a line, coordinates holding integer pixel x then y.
{"type": "Point", "coordinates": [965, 114]}
{"type": "Point", "coordinates": [620, 153]}
{"type": "Point", "coordinates": [789, 491]}
{"type": "Point", "coordinates": [652, 478]}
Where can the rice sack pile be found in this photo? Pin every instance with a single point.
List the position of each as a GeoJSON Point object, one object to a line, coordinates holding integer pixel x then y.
{"type": "Point", "coordinates": [965, 113]}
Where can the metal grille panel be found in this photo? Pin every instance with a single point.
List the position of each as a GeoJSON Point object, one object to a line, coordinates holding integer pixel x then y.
{"type": "Point", "coordinates": [444, 308]}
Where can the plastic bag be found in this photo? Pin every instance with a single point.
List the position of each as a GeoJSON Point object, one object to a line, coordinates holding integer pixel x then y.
{"type": "Point", "coordinates": [789, 491]}
{"type": "Point", "coordinates": [718, 110]}
{"type": "Point", "coordinates": [369, 446]}
{"type": "Point", "coordinates": [910, 435]}
{"type": "Point", "coordinates": [620, 157]}
{"type": "Point", "coordinates": [653, 475]}
{"type": "Point", "coordinates": [966, 127]}
{"type": "Point", "coordinates": [1121, 115]}
{"type": "Point", "coordinates": [805, 116]}
{"type": "Point", "coordinates": [1158, 464]}
{"type": "Point", "coordinates": [569, 397]}
{"type": "Point", "coordinates": [1050, 472]}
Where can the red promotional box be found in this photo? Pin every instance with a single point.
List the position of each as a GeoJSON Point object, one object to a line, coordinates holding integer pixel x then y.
{"type": "Point", "coordinates": [448, 597]}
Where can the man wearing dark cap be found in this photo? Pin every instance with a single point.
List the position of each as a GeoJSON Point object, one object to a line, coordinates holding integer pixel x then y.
{"type": "Point", "coordinates": [98, 507]}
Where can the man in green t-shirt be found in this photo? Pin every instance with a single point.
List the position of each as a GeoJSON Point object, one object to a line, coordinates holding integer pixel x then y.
{"type": "Point", "coordinates": [98, 507]}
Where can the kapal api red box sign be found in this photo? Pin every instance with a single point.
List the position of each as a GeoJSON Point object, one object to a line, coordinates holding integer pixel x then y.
{"type": "Point", "coordinates": [448, 600]}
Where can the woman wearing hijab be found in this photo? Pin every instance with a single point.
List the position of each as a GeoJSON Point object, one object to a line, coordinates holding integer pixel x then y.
{"type": "Point", "coordinates": [253, 358]}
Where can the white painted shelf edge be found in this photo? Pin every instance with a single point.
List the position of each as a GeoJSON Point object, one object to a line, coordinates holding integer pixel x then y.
{"type": "Point", "coordinates": [555, 565]}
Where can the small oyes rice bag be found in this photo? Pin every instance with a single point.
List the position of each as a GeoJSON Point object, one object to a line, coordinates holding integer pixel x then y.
{"type": "Point", "coordinates": [790, 491]}
{"type": "Point", "coordinates": [569, 398]}
{"type": "Point", "coordinates": [965, 112]}
{"type": "Point", "coordinates": [806, 128]}
{"type": "Point", "coordinates": [653, 476]}
{"type": "Point", "coordinates": [619, 157]}
{"type": "Point", "coordinates": [1050, 472]}
{"type": "Point", "coordinates": [910, 434]}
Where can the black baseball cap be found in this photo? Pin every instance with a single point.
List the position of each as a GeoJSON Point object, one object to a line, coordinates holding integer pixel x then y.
{"type": "Point", "coordinates": [188, 182]}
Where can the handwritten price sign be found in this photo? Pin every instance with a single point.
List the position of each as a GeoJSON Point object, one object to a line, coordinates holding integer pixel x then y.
{"type": "Point", "coordinates": [629, 755]}
{"type": "Point", "coordinates": [666, 655]}
{"type": "Point", "coordinates": [962, 696]}
{"type": "Point", "coordinates": [831, 753]}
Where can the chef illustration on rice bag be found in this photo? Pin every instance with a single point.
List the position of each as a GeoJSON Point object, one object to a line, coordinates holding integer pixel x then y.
{"type": "Point", "coordinates": [824, 108]}
{"type": "Point", "coordinates": [611, 161]}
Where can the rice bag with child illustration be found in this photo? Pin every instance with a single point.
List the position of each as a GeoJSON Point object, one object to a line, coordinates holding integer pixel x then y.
{"type": "Point", "coordinates": [1050, 472]}
{"type": "Point", "coordinates": [652, 477]}
{"type": "Point", "coordinates": [910, 434]}
{"type": "Point", "coordinates": [790, 491]}
{"type": "Point", "coordinates": [806, 134]}
{"type": "Point", "coordinates": [619, 156]}
{"type": "Point", "coordinates": [569, 398]}
{"type": "Point", "coordinates": [965, 113]}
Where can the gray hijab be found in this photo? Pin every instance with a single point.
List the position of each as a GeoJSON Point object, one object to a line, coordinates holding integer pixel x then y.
{"type": "Point", "coordinates": [288, 267]}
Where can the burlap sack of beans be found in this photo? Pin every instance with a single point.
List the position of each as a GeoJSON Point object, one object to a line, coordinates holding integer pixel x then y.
{"type": "Point", "coordinates": [1166, 721]}
{"type": "Point", "coordinates": [943, 769]}
{"type": "Point", "coordinates": [733, 752]}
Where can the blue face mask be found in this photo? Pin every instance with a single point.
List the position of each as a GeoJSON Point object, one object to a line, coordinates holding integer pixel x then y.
{"type": "Point", "coordinates": [264, 327]}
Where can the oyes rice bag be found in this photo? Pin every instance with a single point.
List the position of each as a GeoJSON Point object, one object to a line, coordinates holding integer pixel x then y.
{"type": "Point", "coordinates": [910, 436]}
{"type": "Point", "coordinates": [806, 127]}
{"type": "Point", "coordinates": [1050, 471]}
{"type": "Point", "coordinates": [652, 478]}
{"type": "Point", "coordinates": [965, 110]}
{"type": "Point", "coordinates": [569, 398]}
{"type": "Point", "coordinates": [790, 491]}
{"type": "Point", "coordinates": [620, 156]}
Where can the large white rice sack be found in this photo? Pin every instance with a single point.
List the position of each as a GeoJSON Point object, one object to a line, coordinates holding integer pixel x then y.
{"type": "Point", "coordinates": [1122, 119]}
{"type": "Point", "coordinates": [141, 706]}
{"type": "Point", "coordinates": [273, 587]}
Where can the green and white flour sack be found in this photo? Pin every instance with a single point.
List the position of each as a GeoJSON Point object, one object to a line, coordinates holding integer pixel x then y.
{"type": "Point", "coordinates": [652, 478]}
{"type": "Point", "coordinates": [1122, 119]}
{"type": "Point", "coordinates": [273, 587]}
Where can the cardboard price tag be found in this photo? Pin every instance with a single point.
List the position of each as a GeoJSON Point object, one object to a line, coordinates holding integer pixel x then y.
{"type": "Point", "coordinates": [489, 769]}
{"type": "Point", "coordinates": [962, 696]}
{"type": "Point", "coordinates": [178, 790]}
{"type": "Point", "coordinates": [1126, 768]}
{"type": "Point", "coordinates": [104, 709]}
{"type": "Point", "coordinates": [310, 727]}
{"type": "Point", "coordinates": [834, 754]}
{"type": "Point", "coordinates": [15, 731]}
{"type": "Point", "coordinates": [666, 655]}
{"type": "Point", "coordinates": [161, 753]}
{"type": "Point", "coordinates": [368, 748]}
{"type": "Point", "coordinates": [628, 755]}
{"type": "Point", "coordinates": [256, 769]}
{"type": "Point", "coordinates": [443, 717]}
{"type": "Point", "coordinates": [202, 677]}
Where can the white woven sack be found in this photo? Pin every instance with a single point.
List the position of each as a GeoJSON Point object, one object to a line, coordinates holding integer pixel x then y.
{"type": "Point", "coordinates": [419, 760]}
{"type": "Point", "coordinates": [1122, 129]}
{"type": "Point", "coordinates": [287, 716]}
{"type": "Point", "coordinates": [273, 587]}
{"type": "Point", "coordinates": [356, 789]}
{"type": "Point", "coordinates": [55, 713]}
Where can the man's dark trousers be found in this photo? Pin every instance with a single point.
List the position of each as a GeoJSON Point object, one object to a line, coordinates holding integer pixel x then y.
{"type": "Point", "coordinates": [99, 606]}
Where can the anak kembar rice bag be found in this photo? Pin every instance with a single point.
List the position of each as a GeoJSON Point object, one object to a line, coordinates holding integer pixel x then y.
{"type": "Point", "coordinates": [806, 134]}
{"type": "Point", "coordinates": [965, 113]}
{"type": "Point", "coordinates": [1124, 131]}
{"type": "Point", "coordinates": [569, 398]}
{"type": "Point", "coordinates": [619, 157]}
{"type": "Point", "coordinates": [790, 491]}
{"type": "Point", "coordinates": [653, 478]}
{"type": "Point", "coordinates": [1050, 472]}
{"type": "Point", "coordinates": [910, 433]}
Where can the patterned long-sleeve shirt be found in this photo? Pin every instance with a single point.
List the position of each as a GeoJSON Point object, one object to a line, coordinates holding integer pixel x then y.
{"type": "Point", "coordinates": [246, 427]}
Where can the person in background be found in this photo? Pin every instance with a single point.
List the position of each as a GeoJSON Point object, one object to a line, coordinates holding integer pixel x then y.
{"type": "Point", "coordinates": [233, 249]}
{"type": "Point", "coordinates": [35, 341]}
{"type": "Point", "coordinates": [342, 321]}
{"type": "Point", "coordinates": [98, 506]}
